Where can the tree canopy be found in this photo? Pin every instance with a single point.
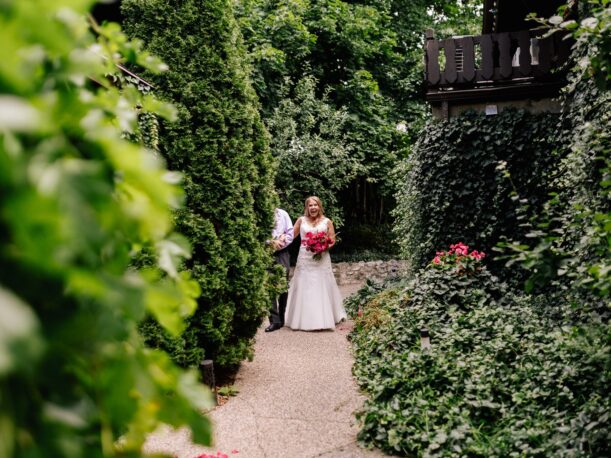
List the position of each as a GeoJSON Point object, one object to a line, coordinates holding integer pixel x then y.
{"type": "Point", "coordinates": [366, 59]}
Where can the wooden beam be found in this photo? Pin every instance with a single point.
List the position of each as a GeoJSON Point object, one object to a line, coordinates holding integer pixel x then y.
{"type": "Point", "coordinates": [546, 51]}
{"type": "Point", "coordinates": [468, 53]}
{"type": "Point", "coordinates": [487, 47]}
{"type": "Point", "coordinates": [133, 75]}
{"type": "Point", "coordinates": [449, 72]}
{"type": "Point", "coordinates": [523, 38]}
{"type": "Point", "coordinates": [505, 57]}
{"type": "Point", "coordinates": [488, 23]}
{"type": "Point", "coordinates": [431, 56]}
{"type": "Point", "coordinates": [530, 90]}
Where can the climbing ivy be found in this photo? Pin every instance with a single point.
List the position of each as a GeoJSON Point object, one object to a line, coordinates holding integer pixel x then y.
{"type": "Point", "coordinates": [509, 373]}
{"type": "Point", "coordinates": [146, 130]}
{"type": "Point", "coordinates": [453, 186]}
{"type": "Point", "coordinates": [503, 377]}
{"type": "Point", "coordinates": [572, 248]}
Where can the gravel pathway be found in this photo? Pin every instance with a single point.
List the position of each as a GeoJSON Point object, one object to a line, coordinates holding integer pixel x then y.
{"type": "Point", "coordinates": [296, 399]}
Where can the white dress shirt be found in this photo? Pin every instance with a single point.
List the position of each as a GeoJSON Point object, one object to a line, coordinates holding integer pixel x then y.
{"type": "Point", "coordinates": [283, 227]}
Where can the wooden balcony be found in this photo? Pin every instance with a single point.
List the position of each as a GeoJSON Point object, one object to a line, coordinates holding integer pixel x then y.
{"type": "Point", "coordinates": [494, 67]}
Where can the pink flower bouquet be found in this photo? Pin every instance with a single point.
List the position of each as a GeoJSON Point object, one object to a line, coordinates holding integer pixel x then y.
{"type": "Point", "coordinates": [317, 242]}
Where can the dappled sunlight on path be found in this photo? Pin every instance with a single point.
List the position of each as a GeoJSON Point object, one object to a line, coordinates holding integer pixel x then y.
{"type": "Point", "coordinates": [296, 399]}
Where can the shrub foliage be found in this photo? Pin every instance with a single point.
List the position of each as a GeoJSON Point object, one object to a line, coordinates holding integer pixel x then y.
{"type": "Point", "coordinates": [76, 203]}
{"type": "Point", "coordinates": [502, 378]}
{"type": "Point", "coordinates": [220, 144]}
{"type": "Point", "coordinates": [572, 248]}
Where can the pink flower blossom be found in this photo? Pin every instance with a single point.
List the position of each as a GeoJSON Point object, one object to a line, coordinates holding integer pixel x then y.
{"type": "Point", "coordinates": [219, 454]}
{"type": "Point", "coordinates": [458, 255]}
{"type": "Point", "coordinates": [477, 254]}
{"type": "Point", "coordinates": [459, 249]}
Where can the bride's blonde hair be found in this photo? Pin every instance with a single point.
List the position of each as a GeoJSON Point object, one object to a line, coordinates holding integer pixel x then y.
{"type": "Point", "coordinates": [317, 200]}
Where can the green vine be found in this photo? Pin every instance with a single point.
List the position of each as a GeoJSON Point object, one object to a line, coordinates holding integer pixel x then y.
{"type": "Point", "coordinates": [573, 250]}
{"type": "Point", "coordinates": [507, 373]}
{"type": "Point", "coordinates": [453, 187]}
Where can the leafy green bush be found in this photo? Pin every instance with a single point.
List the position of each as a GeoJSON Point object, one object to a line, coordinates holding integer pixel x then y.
{"type": "Point", "coordinates": [77, 203]}
{"type": "Point", "coordinates": [220, 144]}
{"type": "Point", "coordinates": [508, 374]}
{"type": "Point", "coordinates": [502, 378]}
{"type": "Point", "coordinates": [572, 249]}
{"type": "Point", "coordinates": [357, 301]}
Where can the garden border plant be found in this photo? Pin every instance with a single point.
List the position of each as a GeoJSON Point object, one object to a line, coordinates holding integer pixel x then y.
{"type": "Point", "coordinates": [503, 376]}
{"type": "Point", "coordinates": [452, 189]}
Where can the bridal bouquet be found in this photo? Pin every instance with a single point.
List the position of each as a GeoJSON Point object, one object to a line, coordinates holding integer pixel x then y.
{"type": "Point", "coordinates": [317, 242]}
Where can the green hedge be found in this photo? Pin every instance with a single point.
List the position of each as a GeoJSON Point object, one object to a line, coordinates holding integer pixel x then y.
{"type": "Point", "coordinates": [220, 145]}
{"type": "Point", "coordinates": [568, 248]}
{"type": "Point", "coordinates": [454, 188]}
{"type": "Point", "coordinates": [77, 201]}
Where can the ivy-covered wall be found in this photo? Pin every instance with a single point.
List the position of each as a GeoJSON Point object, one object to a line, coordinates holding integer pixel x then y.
{"type": "Point", "coordinates": [569, 247]}
{"type": "Point", "coordinates": [465, 177]}
{"type": "Point", "coordinates": [220, 145]}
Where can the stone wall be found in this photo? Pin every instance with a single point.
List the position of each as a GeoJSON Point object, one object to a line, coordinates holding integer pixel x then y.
{"type": "Point", "coordinates": [347, 273]}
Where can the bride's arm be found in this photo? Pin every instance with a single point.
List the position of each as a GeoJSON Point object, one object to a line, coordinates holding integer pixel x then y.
{"type": "Point", "coordinates": [331, 232]}
{"type": "Point", "coordinates": [297, 228]}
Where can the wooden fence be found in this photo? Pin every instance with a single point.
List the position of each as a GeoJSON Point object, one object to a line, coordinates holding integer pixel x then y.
{"type": "Point", "coordinates": [496, 57]}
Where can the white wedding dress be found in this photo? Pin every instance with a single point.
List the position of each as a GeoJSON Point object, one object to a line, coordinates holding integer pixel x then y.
{"type": "Point", "coordinates": [314, 300]}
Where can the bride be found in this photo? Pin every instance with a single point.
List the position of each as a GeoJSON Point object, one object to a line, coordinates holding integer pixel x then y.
{"type": "Point", "coordinates": [314, 300]}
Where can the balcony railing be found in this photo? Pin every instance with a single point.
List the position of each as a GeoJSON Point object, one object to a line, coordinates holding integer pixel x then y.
{"type": "Point", "coordinates": [493, 60]}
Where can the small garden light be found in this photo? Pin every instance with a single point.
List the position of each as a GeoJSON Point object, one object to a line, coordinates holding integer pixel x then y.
{"type": "Point", "coordinates": [425, 340]}
{"type": "Point", "coordinates": [207, 367]}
